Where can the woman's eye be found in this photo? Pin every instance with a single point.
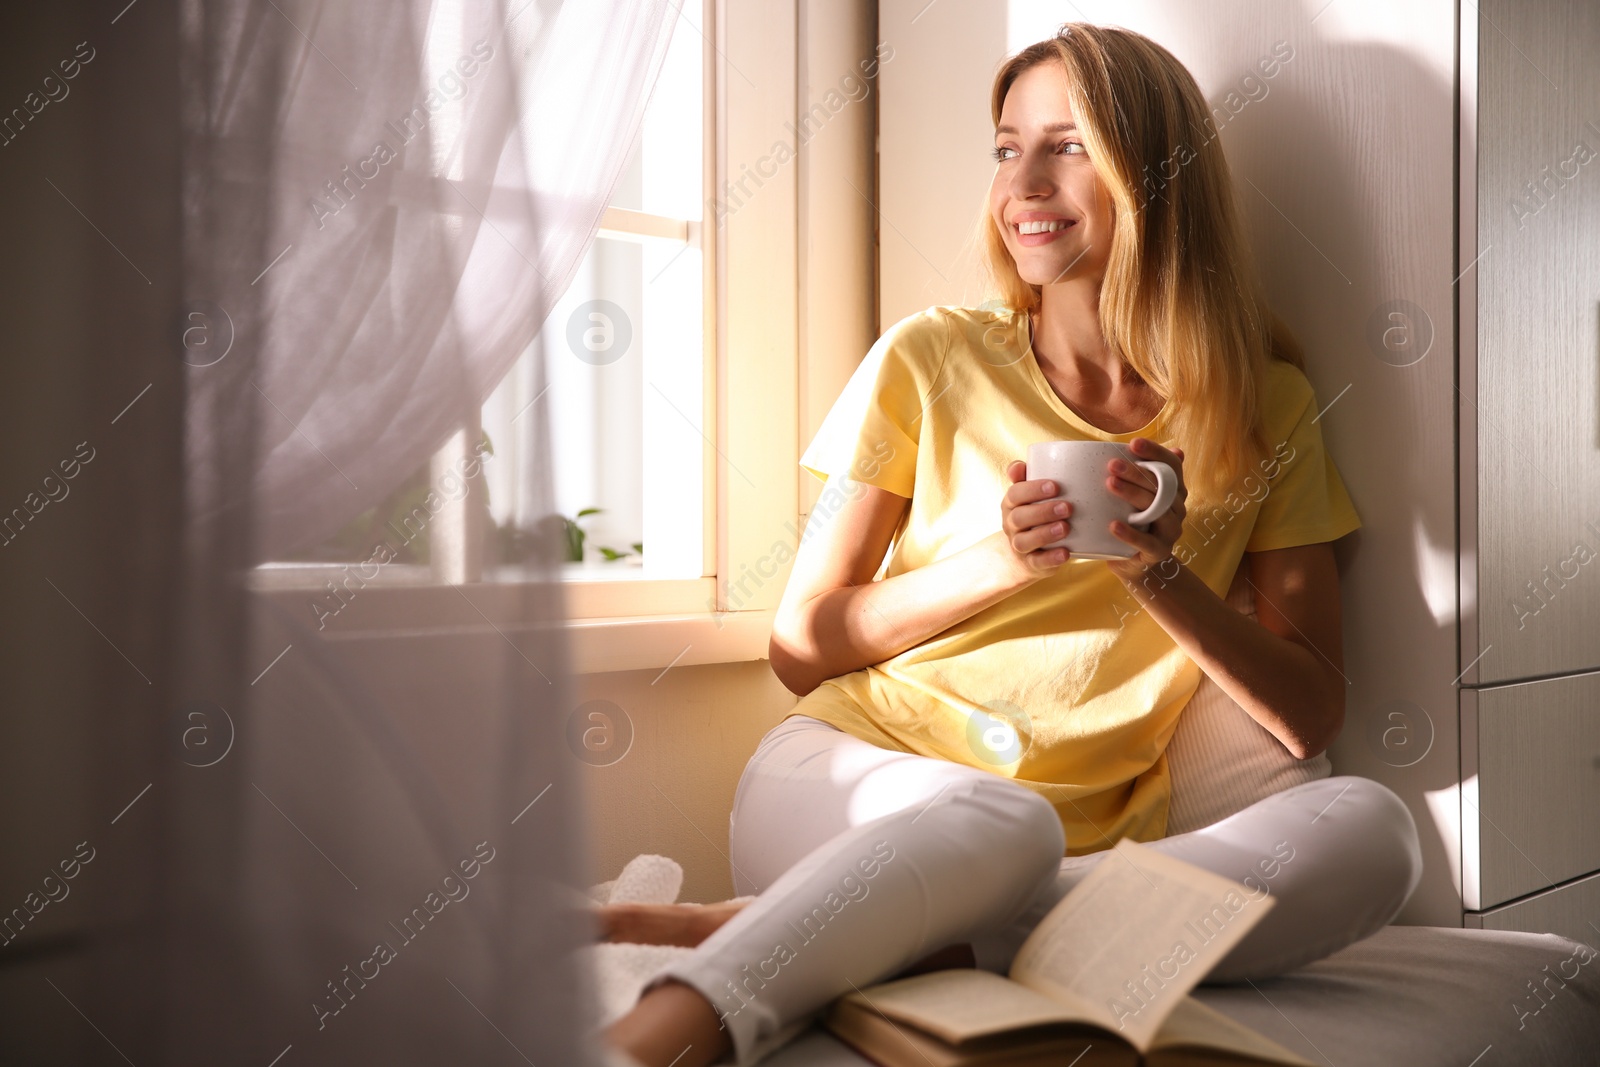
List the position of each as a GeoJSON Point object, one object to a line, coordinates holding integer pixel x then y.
{"type": "Point", "coordinates": [999, 153]}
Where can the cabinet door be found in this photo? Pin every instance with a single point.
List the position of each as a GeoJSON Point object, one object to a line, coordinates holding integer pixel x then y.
{"type": "Point", "coordinates": [1530, 400]}
{"type": "Point", "coordinates": [1566, 911]}
{"type": "Point", "coordinates": [1530, 772]}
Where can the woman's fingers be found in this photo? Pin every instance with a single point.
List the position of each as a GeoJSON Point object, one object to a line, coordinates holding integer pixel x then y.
{"type": "Point", "coordinates": [1137, 485]}
{"type": "Point", "coordinates": [1022, 491]}
{"type": "Point", "coordinates": [1143, 541]}
{"type": "Point", "coordinates": [1031, 505]}
{"type": "Point", "coordinates": [1145, 448]}
{"type": "Point", "coordinates": [1038, 536]}
{"type": "Point", "coordinates": [1028, 532]}
{"type": "Point", "coordinates": [1136, 493]}
{"type": "Point", "coordinates": [1043, 513]}
{"type": "Point", "coordinates": [1031, 517]}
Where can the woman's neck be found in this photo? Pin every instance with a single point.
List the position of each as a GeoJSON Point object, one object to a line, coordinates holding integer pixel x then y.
{"type": "Point", "coordinates": [1070, 347]}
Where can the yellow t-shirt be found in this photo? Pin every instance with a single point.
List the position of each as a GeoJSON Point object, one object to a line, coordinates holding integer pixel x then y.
{"type": "Point", "coordinates": [1067, 686]}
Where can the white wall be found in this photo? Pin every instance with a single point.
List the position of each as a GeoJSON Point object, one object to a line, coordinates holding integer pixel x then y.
{"type": "Point", "coordinates": [1345, 169]}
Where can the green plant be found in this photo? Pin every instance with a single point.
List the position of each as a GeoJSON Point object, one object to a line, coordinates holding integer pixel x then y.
{"type": "Point", "coordinates": [612, 554]}
{"type": "Point", "coordinates": [576, 535]}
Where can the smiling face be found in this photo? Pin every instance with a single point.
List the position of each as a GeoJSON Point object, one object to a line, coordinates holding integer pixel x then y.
{"type": "Point", "coordinates": [1043, 181]}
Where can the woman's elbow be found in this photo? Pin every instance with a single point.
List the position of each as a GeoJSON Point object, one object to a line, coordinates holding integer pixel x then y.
{"type": "Point", "coordinates": [791, 670]}
{"type": "Point", "coordinates": [1332, 726]}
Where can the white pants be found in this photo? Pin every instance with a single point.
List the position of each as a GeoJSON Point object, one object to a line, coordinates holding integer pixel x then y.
{"type": "Point", "coordinates": [867, 859]}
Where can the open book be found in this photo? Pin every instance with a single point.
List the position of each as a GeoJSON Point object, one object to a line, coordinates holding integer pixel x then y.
{"type": "Point", "coordinates": [1104, 979]}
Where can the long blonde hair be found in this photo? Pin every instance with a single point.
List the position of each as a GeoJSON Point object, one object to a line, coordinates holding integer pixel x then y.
{"type": "Point", "coordinates": [1181, 302]}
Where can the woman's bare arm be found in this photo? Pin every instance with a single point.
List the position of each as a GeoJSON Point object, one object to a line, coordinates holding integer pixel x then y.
{"type": "Point", "coordinates": [834, 618]}
{"type": "Point", "coordinates": [1285, 666]}
{"type": "Point", "coordinates": [1297, 598]}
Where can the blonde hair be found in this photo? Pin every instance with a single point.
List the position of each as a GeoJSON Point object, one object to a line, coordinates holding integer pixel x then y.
{"type": "Point", "coordinates": [1181, 302]}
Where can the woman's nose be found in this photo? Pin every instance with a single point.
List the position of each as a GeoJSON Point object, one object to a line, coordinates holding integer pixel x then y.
{"type": "Point", "coordinates": [1029, 177]}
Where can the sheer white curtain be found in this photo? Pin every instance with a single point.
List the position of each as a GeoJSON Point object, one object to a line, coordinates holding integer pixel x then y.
{"type": "Point", "coordinates": [437, 170]}
{"type": "Point", "coordinates": [381, 203]}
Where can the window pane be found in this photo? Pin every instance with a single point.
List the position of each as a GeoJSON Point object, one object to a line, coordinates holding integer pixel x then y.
{"type": "Point", "coordinates": [664, 175]}
{"type": "Point", "coordinates": [624, 354]}
{"type": "Point", "coordinates": [626, 366]}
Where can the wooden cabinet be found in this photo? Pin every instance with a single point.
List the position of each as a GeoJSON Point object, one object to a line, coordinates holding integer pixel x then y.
{"type": "Point", "coordinates": [1529, 466]}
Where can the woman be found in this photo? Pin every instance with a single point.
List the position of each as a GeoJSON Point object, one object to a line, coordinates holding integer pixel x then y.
{"type": "Point", "coordinates": [980, 723]}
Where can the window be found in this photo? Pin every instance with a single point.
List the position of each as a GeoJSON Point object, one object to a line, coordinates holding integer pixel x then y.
{"type": "Point", "coordinates": [672, 370]}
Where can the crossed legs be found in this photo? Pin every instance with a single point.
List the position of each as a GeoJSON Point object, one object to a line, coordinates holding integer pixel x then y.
{"type": "Point", "coordinates": [867, 860]}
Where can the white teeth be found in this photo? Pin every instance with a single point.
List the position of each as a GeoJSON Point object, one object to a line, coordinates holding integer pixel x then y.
{"type": "Point", "coordinates": [1042, 226]}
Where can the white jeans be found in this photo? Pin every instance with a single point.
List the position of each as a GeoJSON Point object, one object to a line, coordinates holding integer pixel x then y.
{"type": "Point", "coordinates": [867, 859]}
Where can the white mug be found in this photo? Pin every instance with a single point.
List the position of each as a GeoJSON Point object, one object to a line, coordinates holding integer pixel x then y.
{"type": "Point", "coordinates": [1079, 470]}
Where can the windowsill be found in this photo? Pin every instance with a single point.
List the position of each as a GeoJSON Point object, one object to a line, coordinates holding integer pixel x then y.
{"type": "Point", "coordinates": [406, 604]}
{"type": "Point", "coordinates": [304, 575]}
{"type": "Point", "coordinates": [649, 642]}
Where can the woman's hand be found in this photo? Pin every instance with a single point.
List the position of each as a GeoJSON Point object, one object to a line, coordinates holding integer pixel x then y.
{"type": "Point", "coordinates": [1138, 486]}
{"type": "Point", "coordinates": [1029, 518]}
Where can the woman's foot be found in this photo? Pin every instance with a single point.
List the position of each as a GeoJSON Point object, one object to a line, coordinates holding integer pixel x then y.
{"type": "Point", "coordinates": [665, 924]}
{"type": "Point", "coordinates": [673, 1025]}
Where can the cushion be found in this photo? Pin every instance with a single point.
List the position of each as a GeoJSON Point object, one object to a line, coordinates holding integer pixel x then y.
{"type": "Point", "coordinates": [1423, 996]}
{"type": "Point", "coordinates": [1220, 759]}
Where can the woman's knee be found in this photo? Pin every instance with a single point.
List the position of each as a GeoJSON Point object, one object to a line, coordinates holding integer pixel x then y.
{"type": "Point", "coordinates": [1040, 826]}
{"type": "Point", "coordinates": [1345, 860]}
{"type": "Point", "coordinates": [1395, 837]}
{"type": "Point", "coordinates": [1013, 829]}
{"type": "Point", "coordinates": [1376, 832]}
{"type": "Point", "coordinates": [789, 799]}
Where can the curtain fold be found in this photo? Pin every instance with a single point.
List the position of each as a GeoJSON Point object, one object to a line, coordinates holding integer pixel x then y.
{"type": "Point", "coordinates": [370, 845]}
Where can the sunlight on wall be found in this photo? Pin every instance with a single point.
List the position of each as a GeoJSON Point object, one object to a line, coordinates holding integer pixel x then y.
{"type": "Point", "coordinates": [1445, 807]}
{"type": "Point", "coordinates": [1436, 574]}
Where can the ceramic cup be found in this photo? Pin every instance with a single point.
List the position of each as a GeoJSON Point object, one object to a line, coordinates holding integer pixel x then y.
{"type": "Point", "coordinates": [1079, 469]}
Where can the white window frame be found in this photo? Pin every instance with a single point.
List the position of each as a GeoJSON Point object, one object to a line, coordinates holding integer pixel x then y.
{"type": "Point", "coordinates": [751, 471]}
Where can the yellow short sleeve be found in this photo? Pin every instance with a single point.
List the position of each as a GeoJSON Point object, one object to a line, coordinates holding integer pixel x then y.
{"type": "Point", "coordinates": [870, 433]}
{"type": "Point", "coordinates": [1307, 502]}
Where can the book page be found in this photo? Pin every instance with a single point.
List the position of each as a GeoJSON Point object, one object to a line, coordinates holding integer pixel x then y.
{"type": "Point", "coordinates": [961, 1004]}
{"type": "Point", "coordinates": [1193, 1024]}
{"type": "Point", "coordinates": [1130, 940]}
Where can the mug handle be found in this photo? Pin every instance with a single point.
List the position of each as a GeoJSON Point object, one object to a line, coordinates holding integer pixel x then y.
{"type": "Point", "coordinates": [1166, 491]}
